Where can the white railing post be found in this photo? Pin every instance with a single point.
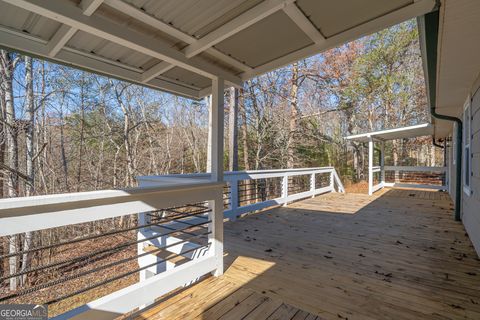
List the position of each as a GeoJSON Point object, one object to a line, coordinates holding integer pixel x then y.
{"type": "Point", "coordinates": [370, 166]}
{"type": "Point", "coordinates": [332, 181]}
{"type": "Point", "coordinates": [215, 238]}
{"type": "Point", "coordinates": [312, 184]}
{"type": "Point", "coordinates": [233, 198]}
{"type": "Point", "coordinates": [340, 186]}
{"type": "Point", "coordinates": [285, 189]}
{"type": "Point", "coordinates": [382, 164]}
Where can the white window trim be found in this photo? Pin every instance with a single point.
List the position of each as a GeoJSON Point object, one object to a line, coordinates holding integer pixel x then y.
{"type": "Point", "coordinates": [467, 136]}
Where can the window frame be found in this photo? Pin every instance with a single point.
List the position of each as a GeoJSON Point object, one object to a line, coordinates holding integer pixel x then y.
{"type": "Point", "coordinates": [466, 147]}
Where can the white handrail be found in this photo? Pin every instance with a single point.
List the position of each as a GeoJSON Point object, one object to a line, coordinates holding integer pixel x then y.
{"type": "Point", "coordinates": [26, 214]}
{"type": "Point", "coordinates": [416, 169]}
{"type": "Point", "coordinates": [419, 169]}
{"type": "Point", "coordinates": [233, 177]}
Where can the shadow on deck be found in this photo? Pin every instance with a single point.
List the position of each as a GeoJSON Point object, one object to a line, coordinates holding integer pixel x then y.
{"type": "Point", "coordinates": [396, 255]}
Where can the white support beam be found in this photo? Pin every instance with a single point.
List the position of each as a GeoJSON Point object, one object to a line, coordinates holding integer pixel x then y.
{"type": "Point", "coordinates": [156, 70]}
{"type": "Point", "coordinates": [32, 45]}
{"type": "Point", "coordinates": [65, 33]}
{"type": "Point", "coordinates": [408, 12]}
{"type": "Point", "coordinates": [382, 162]}
{"type": "Point", "coordinates": [69, 14]}
{"type": "Point", "coordinates": [60, 39]}
{"type": "Point", "coordinates": [217, 130]}
{"type": "Point", "coordinates": [90, 6]}
{"type": "Point", "coordinates": [370, 166]}
{"type": "Point", "coordinates": [243, 21]}
{"type": "Point", "coordinates": [303, 23]}
{"type": "Point", "coordinates": [172, 31]}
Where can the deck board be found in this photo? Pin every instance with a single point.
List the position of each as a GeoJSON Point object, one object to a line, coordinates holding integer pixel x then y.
{"type": "Point", "coordinates": [395, 255]}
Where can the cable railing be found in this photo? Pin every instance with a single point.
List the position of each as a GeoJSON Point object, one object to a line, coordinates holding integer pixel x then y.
{"type": "Point", "coordinates": [122, 249]}
{"type": "Point", "coordinates": [183, 227]}
{"type": "Point", "coordinates": [253, 190]}
{"type": "Point", "coordinates": [415, 177]}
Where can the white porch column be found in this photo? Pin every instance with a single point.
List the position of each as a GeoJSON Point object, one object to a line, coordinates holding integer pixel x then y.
{"type": "Point", "coordinates": [216, 117]}
{"type": "Point", "coordinates": [208, 102]}
{"type": "Point", "coordinates": [382, 163]}
{"type": "Point", "coordinates": [370, 166]}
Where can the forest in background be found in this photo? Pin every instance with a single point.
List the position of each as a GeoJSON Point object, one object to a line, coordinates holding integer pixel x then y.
{"type": "Point", "coordinates": [65, 130]}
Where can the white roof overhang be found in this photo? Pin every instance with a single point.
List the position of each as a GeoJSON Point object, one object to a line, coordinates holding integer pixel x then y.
{"type": "Point", "coordinates": [179, 46]}
{"type": "Point", "coordinates": [458, 63]}
{"type": "Point", "coordinates": [425, 129]}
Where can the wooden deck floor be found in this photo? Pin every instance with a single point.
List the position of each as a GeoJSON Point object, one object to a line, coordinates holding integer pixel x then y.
{"type": "Point", "coordinates": [395, 255]}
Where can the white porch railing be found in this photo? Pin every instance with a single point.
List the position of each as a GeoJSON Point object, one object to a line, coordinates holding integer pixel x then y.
{"type": "Point", "coordinates": [165, 228]}
{"type": "Point", "coordinates": [315, 181]}
{"type": "Point", "coordinates": [416, 177]}
{"type": "Point", "coordinates": [20, 215]}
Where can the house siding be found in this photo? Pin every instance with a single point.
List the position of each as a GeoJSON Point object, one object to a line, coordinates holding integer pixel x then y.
{"type": "Point", "coordinates": [471, 203]}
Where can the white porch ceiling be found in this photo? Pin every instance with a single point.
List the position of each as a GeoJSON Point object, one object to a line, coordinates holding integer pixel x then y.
{"type": "Point", "coordinates": [179, 46]}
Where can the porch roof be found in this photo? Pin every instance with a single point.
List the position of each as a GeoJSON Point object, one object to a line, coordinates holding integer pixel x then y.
{"type": "Point", "coordinates": [179, 46]}
{"type": "Point", "coordinates": [424, 129]}
{"type": "Point", "coordinates": [449, 44]}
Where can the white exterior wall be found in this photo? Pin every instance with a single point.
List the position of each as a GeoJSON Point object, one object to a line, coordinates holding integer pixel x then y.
{"type": "Point", "coordinates": [471, 200]}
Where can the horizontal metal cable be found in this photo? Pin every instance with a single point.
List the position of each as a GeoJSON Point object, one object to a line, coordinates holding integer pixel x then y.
{"type": "Point", "coordinates": [177, 211]}
{"type": "Point", "coordinates": [253, 189]}
{"type": "Point", "coordinates": [90, 255]}
{"type": "Point", "coordinates": [121, 276]}
{"type": "Point", "coordinates": [251, 184]}
{"type": "Point", "coordinates": [81, 274]}
{"type": "Point", "coordinates": [258, 196]}
{"type": "Point", "coordinates": [189, 233]}
{"type": "Point", "coordinates": [178, 216]}
{"type": "Point", "coordinates": [92, 237]}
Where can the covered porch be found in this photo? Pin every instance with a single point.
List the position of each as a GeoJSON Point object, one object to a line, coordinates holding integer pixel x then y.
{"type": "Point", "coordinates": [393, 255]}
{"type": "Point", "coordinates": [381, 175]}
{"type": "Point", "coordinates": [331, 255]}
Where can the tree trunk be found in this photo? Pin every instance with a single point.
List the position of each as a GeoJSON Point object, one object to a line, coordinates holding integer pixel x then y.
{"type": "Point", "coordinates": [293, 98]}
{"type": "Point", "coordinates": [63, 152]}
{"type": "Point", "coordinates": [82, 132]}
{"type": "Point", "coordinates": [7, 72]}
{"type": "Point", "coordinates": [243, 111]}
{"type": "Point", "coordinates": [30, 169]}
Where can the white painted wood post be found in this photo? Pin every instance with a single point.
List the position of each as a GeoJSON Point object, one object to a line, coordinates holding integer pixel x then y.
{"type": "Point", "coordinates": [233, 199]}
{"type": "Point", "coordinates": [216, 236]}
{"type": "Point", "coordinates": [216, 122]}
{"type": "Point", "coordinates": [382, 163]}
{"type": "Point", "coordinates": [332, 182]}
{"type": "Point", "coordinates": [208, 102]}
{"type": "Point", "coordinates": [312, 184]}
{"type": "Point", "coordinates": [370, 166]}
{"type": "Point", "coordinates": [285, 189]}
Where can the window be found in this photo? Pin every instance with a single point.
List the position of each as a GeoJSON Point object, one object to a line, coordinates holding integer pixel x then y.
{"type": "Point", "coordinates": [467, 158]}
